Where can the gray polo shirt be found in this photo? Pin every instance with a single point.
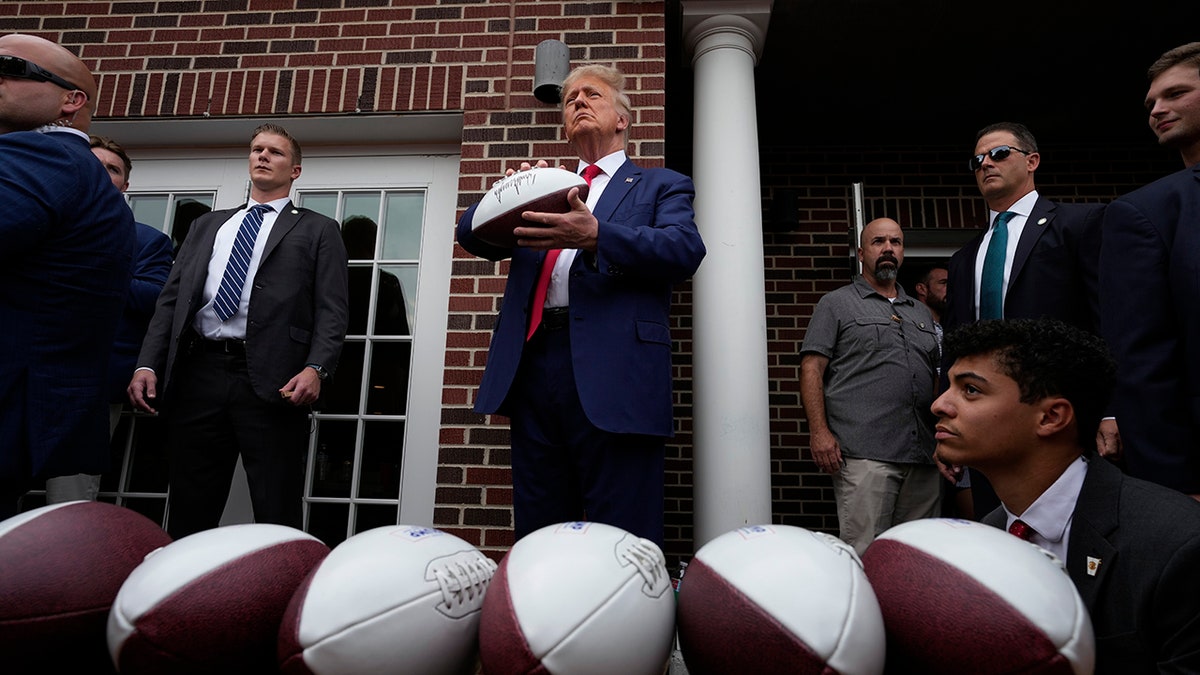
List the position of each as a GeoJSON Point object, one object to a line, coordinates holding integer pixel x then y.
{"type": "Point", "coordinates": [881, 375]}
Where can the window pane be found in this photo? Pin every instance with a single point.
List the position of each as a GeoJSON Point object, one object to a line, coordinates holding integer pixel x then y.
{"type": "Point", "coordinates": [383, 446]}
{"type": "Point", "coordinates": [327, 522]}
{"type": "Point", "coordinates": [324, 203]}
{"type": "Point", "coordinates": [188, 207]}
{"type": "Point", "coordinates": [341, 397]}
{"type": "Point", "coordinates": [402, 225]}
{"type": "Point", "coordinates": [358, 234]}
{"type": "Point", "coordinates": [361, 205]}
{"type": "Point", "coordinates": [371, 516]}
{"type": "Point", "coordinates": [388, 391]}
{"type": "Point", "coordinates": [150, 209]}
{"type": "Point", "coordinates": [393, 305]}
{"type": "Point", "coordinates": [334, 464]}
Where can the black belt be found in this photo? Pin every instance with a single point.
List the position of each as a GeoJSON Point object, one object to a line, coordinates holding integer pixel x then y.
{"type": "Point", "coordinates": [555, 318]}
{"type": "Point", "coordinates": [236, 347]}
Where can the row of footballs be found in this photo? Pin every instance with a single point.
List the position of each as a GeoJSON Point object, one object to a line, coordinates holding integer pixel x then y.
{"type": "Point", "coordinates": [88, 582]}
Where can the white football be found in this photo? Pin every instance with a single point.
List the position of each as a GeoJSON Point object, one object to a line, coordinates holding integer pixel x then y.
{"type": "Point", "coordinates": [210, 602]}
{"type": "Point", "coordinates": [578, 599]}
{"type": "Point", "coordinates": [394, 599]}
{"type": "Point", "coordinates": [779, 599]}
{"type": "Point", "coordinates": [963, 597]}
{"type": "Point", "coordinates": [542, 189]}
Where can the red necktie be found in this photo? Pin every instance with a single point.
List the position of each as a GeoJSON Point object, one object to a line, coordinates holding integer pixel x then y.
{"type": "Point", "coordinates": [1020, 529]}
{"type": "Point", "coordinates": [543, 282]}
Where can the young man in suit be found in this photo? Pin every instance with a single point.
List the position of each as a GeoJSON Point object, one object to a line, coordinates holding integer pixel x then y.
{"type": "Point", "coordinates": [66, 249]}
{"type": "Point", "coordinates": [1024, 402]}
{"type": "Point", "coordinates": [1150, 282]}
{"type": "Point", "coordinates": [151, 265]}
{"type": "Point", "coordinates": [1037, 258]}
{"type": "Point", "coordinates": [249, 325]}
{"type": "Point", "coordinates": [587, 388]}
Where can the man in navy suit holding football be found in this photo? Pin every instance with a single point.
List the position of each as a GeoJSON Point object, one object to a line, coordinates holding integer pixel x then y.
{"type": "Point", "coordinates": [66, 251]}
{"type": "Point", "coordinates": [587, 386]}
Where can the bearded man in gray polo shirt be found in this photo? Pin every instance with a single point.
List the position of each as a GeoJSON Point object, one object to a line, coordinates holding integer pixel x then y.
{"type": "Point", "coordinates": [867, 379]}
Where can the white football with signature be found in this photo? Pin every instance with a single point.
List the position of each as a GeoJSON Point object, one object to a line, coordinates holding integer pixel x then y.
{"type": "Point", "coordinates": [541, 189]}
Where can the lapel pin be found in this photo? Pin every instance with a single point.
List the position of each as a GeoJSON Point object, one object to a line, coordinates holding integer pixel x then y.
{"type": "Point", "coordinates": [628, 180]}
{"type": "Point", "coordinates": [1041, 221]}
{"type": "Point", "coordinates": [1093, 566]}
{"type": "Point", "coordinates": [294, 211]}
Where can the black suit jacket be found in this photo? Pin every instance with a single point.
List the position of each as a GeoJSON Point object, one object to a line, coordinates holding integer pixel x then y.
{"type": "Point", "coordinates": [298, 306]}
{"type": "Point", "coordinates": [1150, 293]}
{"type": "Point", "coordinates": [1144, 597]}
{"type": "Point", "coordinates": [1054, 270]}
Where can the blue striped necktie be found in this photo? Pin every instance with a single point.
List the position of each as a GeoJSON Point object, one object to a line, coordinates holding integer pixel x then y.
{"type": "Point", "coordinates": [991, 287]}
{"type": "Point", "coordinates": [229, 295]}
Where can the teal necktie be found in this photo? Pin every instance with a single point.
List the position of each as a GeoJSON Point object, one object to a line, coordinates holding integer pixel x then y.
{"type": "Point", "coordinates": [991, 290]}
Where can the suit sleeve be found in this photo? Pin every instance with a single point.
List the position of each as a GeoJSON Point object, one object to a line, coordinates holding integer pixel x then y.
{"type": "Point", "coordinates": [655, 236]}
{"type": "Point", "coordinates": [1138, 322]}
{"type": "Point", "coordinates": [331, 310]}
{"type": "Point", "coordinates": [150, 272]}
{"type": "Point", "coordinates": [1177, 611]}
{"type": "Point", "coordinates": [1090, 238]}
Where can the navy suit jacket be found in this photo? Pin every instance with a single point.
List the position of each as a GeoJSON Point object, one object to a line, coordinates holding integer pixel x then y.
{"type": "Point", "coordinates": [620, 302]}
{"type": "Point", "coordinates": [298, 306]}
{"type": "Point", "coordinates": [1150, 293]}
{"type": "Point", "coordinates": [151, 266]}
{"type": "Point", "coordinates": [1054, 271]}
{"type": "Point", "coordinates": [1144, 597]}
{"type": "Point", "coordinates": [66, 250]}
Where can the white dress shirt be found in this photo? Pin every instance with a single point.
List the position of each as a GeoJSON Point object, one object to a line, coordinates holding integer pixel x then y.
{"type": "Point", "coordinates": [1050, 515]}
{"type": "Point", "coordinates": [1016, 225]}
{"type": "Point", "coordinates": [206, 322]}
{"type": "Point", "coordinates": [556, 293]}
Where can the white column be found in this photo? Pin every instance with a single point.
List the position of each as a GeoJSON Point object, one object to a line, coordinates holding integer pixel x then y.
{"type": "Point", "coordinates": [732, 472]}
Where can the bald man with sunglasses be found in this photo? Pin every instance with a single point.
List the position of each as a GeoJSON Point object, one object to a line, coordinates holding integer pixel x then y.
{"type": "Point", "coordinates": [66, 250]}
{"type": "Point", "coordinates": [1039, 261]}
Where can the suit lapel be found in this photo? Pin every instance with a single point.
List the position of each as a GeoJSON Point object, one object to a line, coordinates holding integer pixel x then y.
{"type": "Point", "coordinates": [1036, 225]}
{"type": "Point", "coordinates": [200, 239]}
{"type": "Point", "coordinates": [286, 220]}
{"type": "Point", "coordinates": [1090, 555]}
{"type": "Point", "coordinates": [618, 187]}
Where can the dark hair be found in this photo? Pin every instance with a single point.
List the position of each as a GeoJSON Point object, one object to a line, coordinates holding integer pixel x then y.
{"type": "Point", "coordinates": [1045, 357]}
{"type": "Point", "coordinates": [106, 143]}
{"type": "Point", "coordinates": [1188, 54]}
{"type": "Point", "coordinates": [1019, 131]}
{"type": "Point", "coordinates": [269, 128]}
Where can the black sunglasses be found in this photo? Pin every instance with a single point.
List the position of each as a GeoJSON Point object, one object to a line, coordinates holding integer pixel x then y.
{"type": "Point", "coordinates": [998, 154]}
{"type": "Point", "coordinates": [15, 66]}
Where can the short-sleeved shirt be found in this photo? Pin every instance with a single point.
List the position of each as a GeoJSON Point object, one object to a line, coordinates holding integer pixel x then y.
{"type": "Point", "coordinates": [880, 380]}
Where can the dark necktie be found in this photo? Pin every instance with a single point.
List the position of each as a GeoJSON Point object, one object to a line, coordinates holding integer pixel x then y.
{"type": "Point", "coordinates": [991, 288]}
{"type": "Point", "coordinates": [229, 295]}
{"type": "Point", "coordinates": [543, 282]}
{"type": "Point", "coordinates": [1020, 529]}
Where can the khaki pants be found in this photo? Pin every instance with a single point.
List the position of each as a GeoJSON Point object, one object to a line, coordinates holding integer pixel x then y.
{"type": "Point", "coordinates": [873, 496]}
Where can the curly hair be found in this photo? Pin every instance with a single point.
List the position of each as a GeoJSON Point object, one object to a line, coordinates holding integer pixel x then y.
{"type": "Point", "coordinates": [1045, 357]}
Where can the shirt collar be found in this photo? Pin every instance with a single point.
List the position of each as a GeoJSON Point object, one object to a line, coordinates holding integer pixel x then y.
{"type": "Point", "coordinates": [1022, 207]}
{"type": "Point", "coordinates": [608, 163]}
{"type": "Point", "coordinates": [1051, 512]}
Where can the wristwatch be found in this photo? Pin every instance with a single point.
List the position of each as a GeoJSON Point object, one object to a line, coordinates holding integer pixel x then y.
{"type": "Point", "coordinates": [321, 372]}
